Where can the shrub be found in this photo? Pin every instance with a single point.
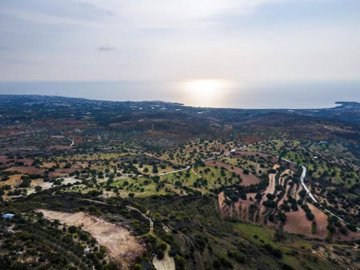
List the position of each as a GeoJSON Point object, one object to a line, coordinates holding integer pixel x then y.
{"type": "Point", "coordinates": [310, 216]}
{"type": "Point", "coordinates": [138, 267]}
{"type": "Point", "coordinates": [160, 254]}
{"type": "Point", "coordinates": [240, 258]}
{"type": "Point", "coordinates": [72, 229]}
{"type": "Point", "coordinates": [351, 227]}
{"type": "Point", "coordinates": [180, 263]}
{"type": "Point", "coordinates": [273, 251]}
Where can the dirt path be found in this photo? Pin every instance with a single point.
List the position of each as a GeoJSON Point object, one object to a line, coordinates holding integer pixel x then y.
{"type": "Point", "coordinates": [286, 195]}
{"type": "Point", "coordinates": [309, 193]}
{"type": "Point", "coordinates": [283, 176]}
{"type": "Point", "coordinates": [172, 172]}
{"type": "Point", "coordinates": [72, 142]}
{"type": "Point", "coordinates": [269, 189]}
{"type": "Point", "coordinates": [151, 222]}
{"type": "Point", "coordinates": [122, 246]}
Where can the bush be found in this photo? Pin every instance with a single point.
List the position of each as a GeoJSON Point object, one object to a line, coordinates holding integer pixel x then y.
{"type": "Point", "coordinates": [25, 183]}
{"type": "Point", "coordinates": [94, 210]}
{"type": "Point", "coordinates": [343, 230]}
{"type": "Point", "coordinates": [331, 228]}
{"type": "Point", "coordinates": [225, 262]}
{"type": "Point", "coordinates": [240, 258]}
{"type": "Point", "coordinates": [221, 263]}
{"type": "Point", "coordinates": [137, 267]}
{"type": "Point", "coordinates": [282, 217]}
{"type": "Point", "coordinates": [72, 229]}
{"type": "Point", "coordinates": [180, 263]}
{"type": "Point", "coordinates": [273, 251]}
{"type": "Point", "coordinates": [351, 227]}
{"type": "Point", "coordinates": [160, 254]}
{"type": "Point", "coordinates": [287, 267]}
{"type": "Point", "coordinates": [310, 216]}
{"type": "Point", "coordinates": [270, 204]}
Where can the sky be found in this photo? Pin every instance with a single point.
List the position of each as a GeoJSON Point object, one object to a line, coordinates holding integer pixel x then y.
{"type": "Point", "coordinates": [228, 53]}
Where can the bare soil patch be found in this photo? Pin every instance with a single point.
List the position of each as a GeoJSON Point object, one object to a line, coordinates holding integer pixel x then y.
{"type": "Point", "coordinates": [3, 159]}
{"type": "Point", "coordinates": [122, 246]}
{"type": "Point", "coordinates": [40, 183]}
{"type": "Point", "coordinates": [297, 223]}
{"type": "Point", "coordinates": [26, 170]}
{"type": "Point", "coordinates": [13, 181]}
{"type": "Point", "coordinates": [167, 263]}
{"type": "Point", "coordinates": [62, 172]}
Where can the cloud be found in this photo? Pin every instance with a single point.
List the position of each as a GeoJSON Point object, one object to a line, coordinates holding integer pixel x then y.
{"type": "Point", "coordinates": [175, 13]}
{"type": "Point", "coordinates": [106, 48]}
{"type": "Point", "coordinates": [133, 14]}
{"type": "Point", "coordinates": [71, 12]}
{"type": "Point", "coordinates": [244, 40]}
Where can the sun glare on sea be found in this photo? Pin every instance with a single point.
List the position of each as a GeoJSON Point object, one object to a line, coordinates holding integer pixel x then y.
{"type": "Point", "coordinates": [205, 92]}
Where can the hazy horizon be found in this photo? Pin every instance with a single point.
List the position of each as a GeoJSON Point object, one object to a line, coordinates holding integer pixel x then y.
{"type": "Point", "coordinates": [230, 53]}
{"type": "Point", "coordinates": [297, 96]}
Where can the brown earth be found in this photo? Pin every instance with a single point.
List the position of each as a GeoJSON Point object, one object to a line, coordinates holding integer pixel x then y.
{"type": "Point", "coordinates": [62, 172]}
{"type": "Point", "coordinates": [239, 209]}
{"type": "Point", "coordinates": [3, 159]}
{"type": "Point", "coordinates": [296, 222]}
{"type": "Point", "coordinates": [121, 245]}
{"type": "Point", "coordinates": [25, 170]}
{"type": "Point", "coordinates": [26, 161]}
{"type": "Point", "coordinates": [13, 181]}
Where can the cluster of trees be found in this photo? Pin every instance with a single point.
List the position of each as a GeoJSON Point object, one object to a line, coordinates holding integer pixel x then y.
{"type": "Point", "coordinates": [236, 193]}
{"type": "Point", "coordinates": [273, 251]}
{"type": "Point", "coordinates": [309, 215]}
{"type": "Point", "coordinates": [334, 224]}
{"type": "Point", "coordinates": [40, 244]}
{"type": "Point", "coordinates": [200, 182]}
{"type": "Point", "coordinates": [270, 203]}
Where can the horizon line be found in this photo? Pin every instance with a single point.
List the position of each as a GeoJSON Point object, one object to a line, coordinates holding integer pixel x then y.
{"type": "Point", "coordinates": [336, 103]}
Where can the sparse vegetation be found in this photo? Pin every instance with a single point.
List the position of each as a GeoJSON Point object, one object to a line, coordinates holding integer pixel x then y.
{"type": "Point", "coordinates": [195, 194]}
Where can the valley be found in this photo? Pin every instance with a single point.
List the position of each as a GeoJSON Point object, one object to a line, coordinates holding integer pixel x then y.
{"type": "Point", "coordinates": [105, 185]}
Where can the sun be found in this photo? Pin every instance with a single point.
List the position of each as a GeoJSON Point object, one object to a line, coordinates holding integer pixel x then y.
{"type": "Point", "coordinates": [203, 87]}
{"type": "Point", "coordinates": [204, 92]}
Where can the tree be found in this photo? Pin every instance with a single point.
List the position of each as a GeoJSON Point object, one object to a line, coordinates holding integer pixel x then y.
{"type": "Point", "coordinates": [72, 229]}
{"type": "Point", "coordinates": [138, 267]}
{"type": "Point", "coordinates": [310, 216]}
{"type": "Point", "coordinates": [155, 169]}
{"type": "Point", "coordinates": [160, 254]}
{"type": "Point", "coordinates": [25, 183]}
